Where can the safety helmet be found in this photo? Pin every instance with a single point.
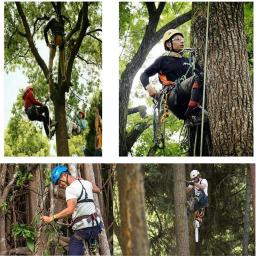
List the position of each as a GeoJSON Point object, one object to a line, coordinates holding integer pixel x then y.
{"type": "Point", "coordinates": [170, 33]}
{"type": "Point", "coordinates": [56, 173]}
{"type": "Point", "coordinates": [28, 87]}
{"type": "Point", "coordinates": [194, 174]}
{"type": "Point", "coordinates": [82, 113]}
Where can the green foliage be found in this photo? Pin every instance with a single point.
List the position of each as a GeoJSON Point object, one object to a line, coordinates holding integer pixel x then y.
{"type": "Point", "coordinates": [3, 208]}
{"type": "Point", "coordinates": [23, 176]}
{"type": "Point", "coordinates": [76, 145]}
{"type": "Point", "coordinates": [25, 231]}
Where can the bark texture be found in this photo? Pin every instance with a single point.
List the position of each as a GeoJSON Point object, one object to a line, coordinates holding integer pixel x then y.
{"type": "Point", "coordinates": [133, 233]}
{"type": "Point", "coordinates": [228, 85]}
{"type": "Point", "coordinates": [181, 219]}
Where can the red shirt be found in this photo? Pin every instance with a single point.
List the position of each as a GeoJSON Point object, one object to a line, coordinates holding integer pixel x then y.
{"type": "Point", "coordinates": [30, 100]}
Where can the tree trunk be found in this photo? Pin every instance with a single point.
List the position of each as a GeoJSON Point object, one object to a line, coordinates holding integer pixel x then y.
{"type": "Point", "coordinates": [228, 84]}
{"type": "Point", "coordinates": [104, 246]}
{"type": "Point", "coordinates": [253, 187]}
{"type": "Point", "coordinates": [61, 127]}
{"type": "Point", "coordinates": [134, 238]}
{"type": "Point", "coordinates": [181, 219]}
{"type": "Point", "coordinates": [246, 215]}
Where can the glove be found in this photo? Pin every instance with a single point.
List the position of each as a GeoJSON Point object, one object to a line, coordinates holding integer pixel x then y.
{"type": "Point", "coordinates": [188, 112]}
{"type": "Point", "coordinates": [151, 91]}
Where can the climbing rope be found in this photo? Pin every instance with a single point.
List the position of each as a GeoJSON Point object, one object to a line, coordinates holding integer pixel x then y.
{"type": "Point", "coordinates": [205, 73]}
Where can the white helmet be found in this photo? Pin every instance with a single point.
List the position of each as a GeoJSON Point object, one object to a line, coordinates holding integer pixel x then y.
{"type": "Point", "coordinates": [194, 174]}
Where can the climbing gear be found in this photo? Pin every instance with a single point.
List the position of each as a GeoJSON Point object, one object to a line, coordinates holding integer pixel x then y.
{"type": "Point", "coordinates": [198, 220]}
{"type": "Point", "coordinates": [90, 218]}
{"type": "Point", "coordinates": [194, 174]}
{"type": "Point", "coordinates": [170, 33]}
{"type": "Point", "coordinates": [160, 114]}
{"type": "Point", "coordinates": [86, 199]}
{"type": "Point", "coordinates": [56, 173]}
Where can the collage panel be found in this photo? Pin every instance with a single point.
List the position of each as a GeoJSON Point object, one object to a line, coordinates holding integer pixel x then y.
{"type": "Point", "coordinates": [53, 91]}
{"type": "Point", "coordinates": [185, 209]}
{"type": "Point", "coordinates": [50, 209]}
{"type": "Point", "coordinates": [186, 72]}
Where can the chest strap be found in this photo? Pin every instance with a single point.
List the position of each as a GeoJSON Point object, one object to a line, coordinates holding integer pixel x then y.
{"type": "Point", "coordinates": [86, 199]}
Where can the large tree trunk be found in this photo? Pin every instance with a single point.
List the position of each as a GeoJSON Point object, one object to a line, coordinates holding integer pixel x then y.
{"type": "Point", "coordinates": [228, 85]}
{"type": "Point", "coordinates": [134, 239]}
{"type": "Point", "coordinates": [8, 176]}
{"type": "Point", "coordinates": [181, 219]}
{"type": "Point", "coordinates": [104, 246]}
{"type": "Point", "coordinates": [246, 214]}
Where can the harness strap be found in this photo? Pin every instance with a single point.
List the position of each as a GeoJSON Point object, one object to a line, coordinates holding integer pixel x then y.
{"type": "Point", "coordinates": [89, 218]}
{"type": "Point", "coordinates": [86, 199]}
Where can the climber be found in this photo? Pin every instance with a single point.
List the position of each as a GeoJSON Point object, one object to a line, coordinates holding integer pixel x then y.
{"type": "Point", "coordinates": [86, 224]}
{"type": "Point", "coordinates": [199, 186]}
{"type": "Point", "coordinates": [56, 25]}
{"type": "Point", "coordinates": [185, 88]}
{"type": "Point", "coordinates": [98, 138]}
{"type": "Point", "coordinates": [79, 124]}
{"type": "Point", "coordinates": [37, 111]}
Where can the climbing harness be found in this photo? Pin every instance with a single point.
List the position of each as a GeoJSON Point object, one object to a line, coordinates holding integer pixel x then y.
{"type": "Point", "coordinates": [198, 219]}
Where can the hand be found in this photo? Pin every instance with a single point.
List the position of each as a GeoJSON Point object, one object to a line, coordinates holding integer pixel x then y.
{"type": "Point", "coordinates": [151, 91]}
{"type": "Point", "coordinates": [47, 219]}
{"type": "Point", "coordinates": [188, 112]}
{"type": "Point", "coordinates": [191, 183]}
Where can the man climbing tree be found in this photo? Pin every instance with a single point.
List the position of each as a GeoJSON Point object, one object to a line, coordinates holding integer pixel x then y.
{"type": "Point", "coordinates": [174, 71]}
{"type": "Point", "coordinates": [199, 188]}
{"type": "Point", "coordinates": [56, 25]}
{"type": "Point", "coordinates": [79, 196]}
{"type": "Point", "coordinates": [37, 111]}
{"type": "Point", "coordinates": [77, 126]}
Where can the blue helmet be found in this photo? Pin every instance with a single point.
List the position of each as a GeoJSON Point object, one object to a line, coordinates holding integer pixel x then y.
{"type": "Point", "coordinates": [57, 171]}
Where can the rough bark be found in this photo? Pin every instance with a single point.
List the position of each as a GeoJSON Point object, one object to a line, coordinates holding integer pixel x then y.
{"type": "Point", "coordinates": [8, 176]}
{"type": "Point", "coordinates": [150, 38]}
{"type": "Point", "coordinates": [103, 241]}
{"type": "Point", "coordinates": [228, 84]}
{"type": "Point", "coordinates": [134, 238]}
{"type": "Point", "coordinates": [181, 219]}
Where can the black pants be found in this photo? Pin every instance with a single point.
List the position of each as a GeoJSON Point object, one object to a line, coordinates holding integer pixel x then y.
{"type": "Point", "coordinates": [39, 113]}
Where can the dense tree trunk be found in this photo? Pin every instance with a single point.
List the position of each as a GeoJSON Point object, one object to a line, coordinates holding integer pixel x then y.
{"type": "Point", "coordinates": [8, 175]}
{"type": "Point", "coordinates": [104, 246]}
{"type": "Point", "coordinates": [228, 84]}
{"type": "Point", "coordinates": [253, 188]}
{"type": "Point", "coordinates": [134, 239]}
{"type": "Point", "coordinates": [181, 219]}
{"type": "Point", "coordinates": [246, 214]}
{"type": "Point", "coordinates": [150, 38]}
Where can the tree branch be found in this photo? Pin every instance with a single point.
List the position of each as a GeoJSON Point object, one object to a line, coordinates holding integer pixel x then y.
{"type": "Point", "coordinates": [151, 8]}
{"type": "Point", "coordinates": [29, 37]}
{"type": "Point", "coordinates": [75, 48]}
{"type": "Point", "coordinates": [141, 109]}
{"type": "Point", "coordinates": [135, 134]}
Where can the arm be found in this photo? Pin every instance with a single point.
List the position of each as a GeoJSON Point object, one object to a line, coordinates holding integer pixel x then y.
{"type": "Point", "coordinates": [150, 71]}
{"type": "Point", "coordinates": [71, 205]}
{"type": "Point", "coordinates": [95, 189]}
{"type": "Point", "coordinates": [200, 186]}
{"type": "Point", "coordinates": [46, 29]}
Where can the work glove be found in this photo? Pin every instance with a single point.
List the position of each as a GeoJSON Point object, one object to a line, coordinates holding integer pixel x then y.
{"type": "Point", "coordinates": [151, 90]}
{"type": "Point", "coordinates": [188, 112]}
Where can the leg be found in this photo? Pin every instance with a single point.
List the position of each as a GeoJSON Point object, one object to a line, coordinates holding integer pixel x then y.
{"type": "Point", "coordinates": [51, 58]}
{"type": "Point", "coordinates": [62, 61]}
{"type": "Point", "coordinates": [44, 118]}
{"type": "Point", "coordinates": [76, 245]}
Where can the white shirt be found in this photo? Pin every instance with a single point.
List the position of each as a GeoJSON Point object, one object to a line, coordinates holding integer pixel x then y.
{"type": "Point", "coordinates": [201, 181]}
{"type": "Point", "coordinates": [73, 191]}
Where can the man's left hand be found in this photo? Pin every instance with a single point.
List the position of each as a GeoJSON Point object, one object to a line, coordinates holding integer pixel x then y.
{"type": "Point", "coordinates": [47, 219]}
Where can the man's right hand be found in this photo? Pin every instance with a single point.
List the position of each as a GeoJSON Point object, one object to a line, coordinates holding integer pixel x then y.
{"type": "Point", "coordinates": [151, 91]}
